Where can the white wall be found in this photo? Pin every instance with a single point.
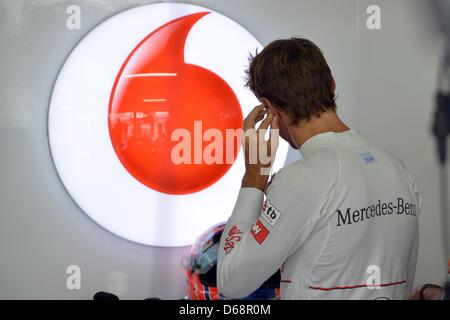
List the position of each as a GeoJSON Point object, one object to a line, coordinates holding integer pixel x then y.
{"type": "Point", "coordinates": [384, 95]}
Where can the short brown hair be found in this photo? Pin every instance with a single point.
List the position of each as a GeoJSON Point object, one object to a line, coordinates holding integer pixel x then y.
{"type": "Point", "coordinates": [293, 75]}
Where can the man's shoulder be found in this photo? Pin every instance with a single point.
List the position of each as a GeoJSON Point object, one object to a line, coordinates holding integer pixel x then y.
{"type": "Point", "coordinates": [300, 186]}
{"type": "Point", "coordinates": [325, 157]}
{"type": "Point", "coordinates": [308, 173]}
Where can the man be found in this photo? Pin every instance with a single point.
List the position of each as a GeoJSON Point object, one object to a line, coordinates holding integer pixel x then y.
{"type": "Point", "coordinates": [342, 223]}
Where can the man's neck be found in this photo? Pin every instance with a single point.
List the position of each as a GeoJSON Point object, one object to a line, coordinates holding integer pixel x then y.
{"type": "Point", "coordinates": [328, 122]}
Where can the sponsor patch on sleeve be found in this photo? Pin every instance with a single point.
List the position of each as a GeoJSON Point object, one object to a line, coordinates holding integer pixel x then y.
{"type": "Point", "coordinates": [234, 236]}
{"type": "Point", "coordinates": [259, 231]}
{"type": "Point", "coordinates": [270, 214]}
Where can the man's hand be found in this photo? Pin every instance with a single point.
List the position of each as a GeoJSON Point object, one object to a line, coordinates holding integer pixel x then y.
{"type": "Point", "coordinates": [259, 153]}
{"type": "Point", "coordinates": [428, 292]}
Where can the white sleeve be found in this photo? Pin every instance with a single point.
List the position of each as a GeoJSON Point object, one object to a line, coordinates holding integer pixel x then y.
{"type": "Point", "coordinates": [258, 238]}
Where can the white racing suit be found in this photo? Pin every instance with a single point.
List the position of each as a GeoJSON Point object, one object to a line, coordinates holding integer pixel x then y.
{"type": "Point", "coordinates": [342, 223]}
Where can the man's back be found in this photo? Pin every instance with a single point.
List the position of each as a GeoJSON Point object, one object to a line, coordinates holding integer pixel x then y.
{"type": "Point", "coordinates": [340, 221]}
{"type": "Point", "coordinates": [362, 221]}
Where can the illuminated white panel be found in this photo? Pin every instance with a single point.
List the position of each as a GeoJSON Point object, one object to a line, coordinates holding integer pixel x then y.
{"type": "Point", "coordinates": [80, 139]}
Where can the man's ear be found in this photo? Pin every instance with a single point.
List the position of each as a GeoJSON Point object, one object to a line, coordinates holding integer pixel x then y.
{"type": "Point", "coordinates": [270, 107]}
{"type": "Point", "coordinates": [333, 86]}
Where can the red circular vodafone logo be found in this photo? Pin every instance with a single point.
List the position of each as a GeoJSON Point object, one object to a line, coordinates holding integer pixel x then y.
{"type": "Point", "coordinates": [157, 92]}
{"type": "Point", "coordinates": [140, 120]}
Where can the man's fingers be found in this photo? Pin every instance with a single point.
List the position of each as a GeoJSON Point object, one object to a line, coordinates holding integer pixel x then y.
{"type": "Point", "coordinates": [251, 119]}
{"type": "Point", "coordinates": [259, 117]}
{"type": "Point", "coordinates": [266, 123]}
{"type": "Point", "coordinates": [274, 136]}
{"type": "Point", "coordinates": [275, 124]}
